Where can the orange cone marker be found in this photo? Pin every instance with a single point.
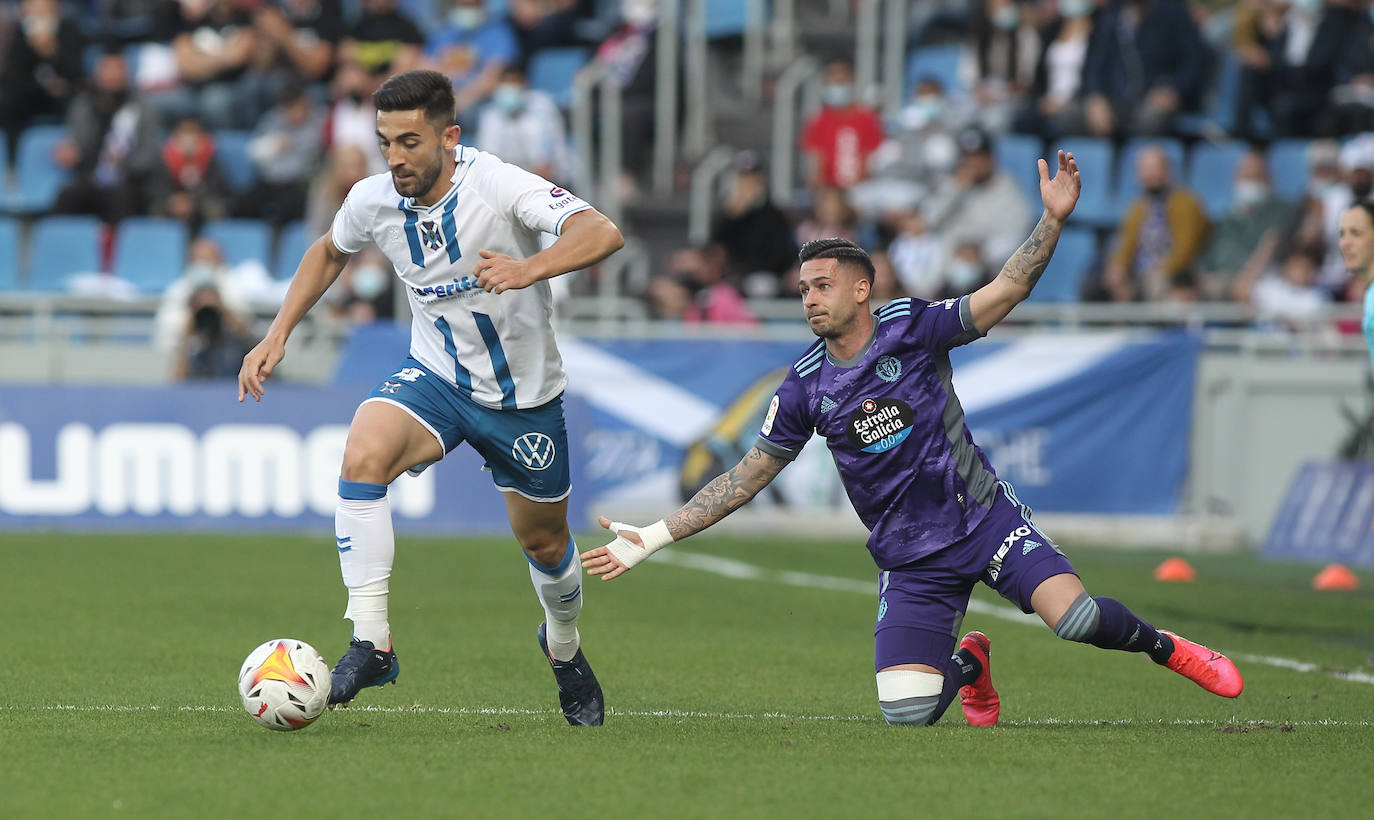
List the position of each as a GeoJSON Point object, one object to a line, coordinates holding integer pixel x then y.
{"type": "Point", "coordinates": [1175, 570]}
{"type": "Point", "coordinates": [1335, 576]}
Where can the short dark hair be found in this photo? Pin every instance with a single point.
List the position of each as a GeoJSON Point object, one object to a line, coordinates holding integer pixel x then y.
{"type": "Point", "coordinates": [411, 90]}
{"type": "Point", "coordinates": [838, 248]}
{"type": "Point", "coordinates": [1366, 205]}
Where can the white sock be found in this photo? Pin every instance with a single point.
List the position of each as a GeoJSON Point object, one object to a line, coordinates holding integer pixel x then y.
{"type": "Point", "coordinates": [560, 592]}
{"type": "Point", "coordinates": [367, 547]}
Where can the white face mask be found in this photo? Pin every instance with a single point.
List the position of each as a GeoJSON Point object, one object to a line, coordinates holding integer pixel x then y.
{"type": "Point", "coordinates": [963, 274]}
{"type": "Point", "coordinates": [509, 97]}
{"type": "Point", "coordinates": [1006, 18]}
{"type": "Point", "coordinates": [368, 282]}
{"type": "Point", "coordinates": [1250, 192]}
{"type": "Point", "coordinates": [201, 273]}
{"type": "Point", "coordinates": [837, 96]}
{"type": "Point", "coordinates": [1075, 8]}
{"type": "Point", "coordinates": [467, 18]}
{"type": "Point", "coordinates": [1307, 6]}
{"type": "Point", "coordinates": [639, 13]}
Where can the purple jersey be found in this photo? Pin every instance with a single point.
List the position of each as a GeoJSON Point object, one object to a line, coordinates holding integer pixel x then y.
{"type": "Point", "coordinates": [895, 428]}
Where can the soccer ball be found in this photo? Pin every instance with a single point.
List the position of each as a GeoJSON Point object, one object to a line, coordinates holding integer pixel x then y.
{"type": "Point", "coordinates": [284, 684]}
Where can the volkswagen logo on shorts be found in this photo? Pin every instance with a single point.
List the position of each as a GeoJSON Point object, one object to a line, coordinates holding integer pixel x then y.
{"type": "Point", "coordinates": [534, 450]}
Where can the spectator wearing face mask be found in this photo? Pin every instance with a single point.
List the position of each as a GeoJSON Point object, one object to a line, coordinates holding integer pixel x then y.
{"type": "Point", "coordinates": [364, 294]}
{"type": "Point", "coordinates": [1237, 239]}
{"type": "Point", "coordinates": [40, 68]}
{"type": "Point", "coordinates": [1160, 238]}
{"type": "Point", "coordinates": [189, 184]}
{"type": "Point", "coordinates": [919, 153]}
{"type": "Point", "coordinates": [524, 127]}
{"type": "Point", "coordinates": [205, 267]}
{"type": "Point", "coordinates": [980, 203]}
{"type": "Point", "coordinates": [352, 119]}
{"type": "Point", "coordinates": [1056, 104]}
{"type": "Point", "coordinates": [1288, 299]}
{"type": "Point", "coordinates": [839, 139]}
{"type": "Point", "coordinates": [999, 60]}
{"type": "Point", "coordinates": [215, 339]}
{"type": "Point", "coordinates": [753, 232]}
{"type": "Point", "coordinates": [472, 49]}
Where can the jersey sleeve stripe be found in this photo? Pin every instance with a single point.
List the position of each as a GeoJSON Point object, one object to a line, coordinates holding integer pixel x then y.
{"type": "Point", "coordinates": [811, 355]}
{"type": "Point", "coordinates": [893, 315]}
{"type": "Point", "coordinates": [558, 227]}
{"type": "Point", "coordinates": [499, 365]}
{"type": "Point", "coordinates": [810, 369]}
{"type": "Point", "coordinates": [775, 449]}
{"type": "Point", "coordinates": [896, 304]}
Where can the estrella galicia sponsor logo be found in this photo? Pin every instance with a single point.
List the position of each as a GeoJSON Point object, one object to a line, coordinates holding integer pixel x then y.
{"type": "Point", "coordinates": [882, 608]}
{"type": "Point", "coordinates": [880, 424]}
{"type": "Point", "coordinates": [429, 234]}
{"type": "Point", "coordinates": [534, 450]}
{"type": "Point", "coordinates": [889, 369]}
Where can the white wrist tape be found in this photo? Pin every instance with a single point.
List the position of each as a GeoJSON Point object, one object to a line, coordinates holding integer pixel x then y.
{"type": "Point", "coordinates": [655, 537]}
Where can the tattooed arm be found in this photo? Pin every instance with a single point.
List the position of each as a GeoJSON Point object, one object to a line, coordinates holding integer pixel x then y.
{"type": "Point", "coordinates": [722, 496]}
{"type": "Point", "coordinates": [991, 303]}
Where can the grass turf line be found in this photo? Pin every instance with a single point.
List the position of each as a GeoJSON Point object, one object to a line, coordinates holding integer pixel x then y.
{"type": "Point", "coordinates": [166, 620]}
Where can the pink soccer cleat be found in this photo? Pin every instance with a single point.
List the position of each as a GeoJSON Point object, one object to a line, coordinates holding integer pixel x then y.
{"type": "Point", "coordinates": [980, 701]}
{"type": "Point", "coordinates": [1212, 671]}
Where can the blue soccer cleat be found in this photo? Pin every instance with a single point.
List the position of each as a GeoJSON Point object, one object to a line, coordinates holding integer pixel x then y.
{"type": "Point", "coordinates": [578, 691]}
{"type": "Point", "coordinates": [363, 665]}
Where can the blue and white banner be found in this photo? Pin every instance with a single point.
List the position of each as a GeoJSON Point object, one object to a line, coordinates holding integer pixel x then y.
{"type": "Point", "coordinates": [1326, 515]}
{"type": "Point", "coordinates": [192, 457]}
{"type": "Point", "coordinates": [1087, 423]}
{"type": "Point", "coordinates": [1094, 423]}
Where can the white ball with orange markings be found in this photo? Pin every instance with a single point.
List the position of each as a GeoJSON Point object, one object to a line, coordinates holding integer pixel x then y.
{"type": "Point", "coordinates": [284, 684]}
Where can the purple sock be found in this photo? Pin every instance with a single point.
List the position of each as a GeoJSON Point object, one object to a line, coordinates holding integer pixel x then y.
{"type": "Point", "coordinates": [1120, 628]}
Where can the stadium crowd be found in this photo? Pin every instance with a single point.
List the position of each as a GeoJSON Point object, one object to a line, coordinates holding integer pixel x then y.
{"type": "Point", "coordinates": [1219, 142]}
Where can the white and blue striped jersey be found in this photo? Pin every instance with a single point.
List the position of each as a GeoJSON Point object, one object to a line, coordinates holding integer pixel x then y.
{"type": "Point", "coordinates": [497, 348]}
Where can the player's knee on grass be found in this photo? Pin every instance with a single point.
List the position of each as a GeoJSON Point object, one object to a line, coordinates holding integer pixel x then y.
{"type": "Point", "coordinates": [909, 697]}
{"type": "Point", "coordinates": [1079, 622]}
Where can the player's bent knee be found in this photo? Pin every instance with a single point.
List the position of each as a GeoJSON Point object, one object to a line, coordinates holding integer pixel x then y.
{"type": "Point", "coordinates": [1079, 621]}
{"type": "Point", "coordinates": [548, 552]}
{"type": "Point", "coordinates": [368, 464]}
{"type": "Point", "coordinates": [909, 697]}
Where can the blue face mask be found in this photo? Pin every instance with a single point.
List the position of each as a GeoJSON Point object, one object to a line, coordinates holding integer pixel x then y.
{"type": "Point", "coordinates": [1006, 18]}
{"type": "Point", "coordinates": [509, 98]}
{"type": "Point", "coordinates": [837, 96]}
{"type": "Point", "coordinates": [1075, 8]}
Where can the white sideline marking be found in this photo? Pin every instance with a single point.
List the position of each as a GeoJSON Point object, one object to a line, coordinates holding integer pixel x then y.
{"type": "Point", "coordinates": [730, 568]}
{"type": "Point", "coordinates": [678, 713]}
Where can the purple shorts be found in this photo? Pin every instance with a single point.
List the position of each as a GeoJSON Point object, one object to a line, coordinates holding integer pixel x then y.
{"type": "Point", "coordinates": [921, 605]}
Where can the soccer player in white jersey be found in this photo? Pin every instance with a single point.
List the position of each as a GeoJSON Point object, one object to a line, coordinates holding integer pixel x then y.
{"type": "Point", "coordinates": [462, 230]}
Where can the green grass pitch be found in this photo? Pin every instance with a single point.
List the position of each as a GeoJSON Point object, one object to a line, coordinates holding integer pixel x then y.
{"type": "Point", "coordinates": [729, 696]}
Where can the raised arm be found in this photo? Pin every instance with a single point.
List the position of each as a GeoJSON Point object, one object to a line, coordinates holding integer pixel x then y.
{"type": "Point", "coordinates": [321, 265]}
{"type": "Point", "coordinates": [588, 237]}
{"type": "Point", "coordinates": [722, 496]}
{"type": "Point", "coordinates": [992, 302]}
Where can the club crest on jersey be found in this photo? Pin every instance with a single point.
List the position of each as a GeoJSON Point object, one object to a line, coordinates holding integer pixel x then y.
{"type": "Point", "coordinates": [430, 236]}
{"type": "Point", "coordinates": [534, 450]}
{"type": "Point", "coordinates": [889, 369]}
{"type": "Point", "coordinates": [880, 424]}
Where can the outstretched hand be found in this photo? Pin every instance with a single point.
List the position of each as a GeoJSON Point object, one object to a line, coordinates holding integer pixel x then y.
{"type": "Point", "coordinates": [1060, 194]}
{"type": "Point", "coordinates": [601, 561]}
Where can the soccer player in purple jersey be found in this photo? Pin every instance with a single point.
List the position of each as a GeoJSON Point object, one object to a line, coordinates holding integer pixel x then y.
{"type": "Point", "coordinates": [878, 387]}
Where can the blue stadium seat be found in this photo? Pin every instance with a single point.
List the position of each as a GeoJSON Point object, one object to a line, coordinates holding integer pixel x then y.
{"type": "Point", "coordinates": [1094, 158]}
{"type": "Point", "coordinates": [941, 62]}
{"type": "Point", "coordinates": [1126, 187]}
{"type": "Point", "coordinates": [60, 246]}
{"type": "Point", "coordinates": [1017, 154]}
{"type": "Point", "coordinates": [291, 246]}
{"type": "Point", "coordinates": [242, 240]}
{"type": "Point", "coordinates": [1288, 167]}
{"type": "Point", "coordinates": [726, 18]}
{"type": "Point", "coordinates": [231, 152]}
{"type": "Point", "coordinates": [37, 176]}
{"type": "Point", "coordinates": [1219, 108]}
{"type": "Point", "coordinates": [9, 254]}
{"type": "Point", "coordinates": [150, 252]}
{"type": "Point", "coordinates": [551, 70]}
{"type": "Point", "coordinates": [1073, 256]}
{"type": "Point", "coordinates": [1211, 174]}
